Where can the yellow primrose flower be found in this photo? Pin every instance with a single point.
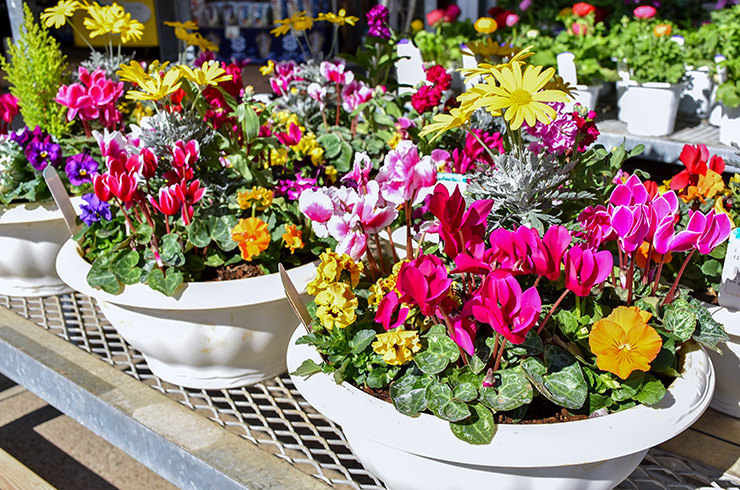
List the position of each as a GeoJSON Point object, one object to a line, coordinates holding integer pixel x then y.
{"type": "Point", "coordinates": [57, 16]}
{"type": "Point", "coordinates": [330, 270]}
{"type": "Point", "coordinates": [133, 73]}
{"type": "Point", "coordinates": [210, 73]}
{"type": "Point", "coordinates": [257, 194]}
{"type": "Point", "coordinates": [336, 306]}
{"type": "Point", "coordinates": [268, 68]}
{"type": "Point", "coordinates": [292, 238]}
{"type": "Point", "coordinates": [278, 157]}
{"type": "Point", "coordinates": [299, 21]}
{"type": "Point", "coordinates": [157, 87]}
{"type": "Point", "coordinates": [395, 140]}
{"type": "Point", "coordinates": [331, 172]}
{"type": "Point", "coordinates": [317, 156]}
{"type": "Point", "coordinates": [522, 96]}
{"type": "Point", "coordinates": [397, 347]}
{"type": "Point", "coordinates": [340, 18]}
{"type": "Point", "coordinates": [445, 122]}
{"type": "Point", "coordinates": [623, 341]}
{"type": "Point", "coordinates": [384, 285]}
{"type": "Point", "coordinates": [485, 25]}
{"type": "Point", "coordinates": [195, 39]}
{"type": "Point", "coordinates": [417, 25]}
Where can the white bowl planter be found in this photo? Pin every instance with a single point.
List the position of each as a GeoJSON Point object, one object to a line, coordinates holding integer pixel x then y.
{"type": "Point", "coordinates": [649, 109]}
{"type": "Point", "coordinates": [31, 235]}
{"type": "Point", "coordinates": [729, 126]}
{"type": "Point", "coordinates": [727, 364]}
{"type": "Point", "coordinates": [421, 453]}
{"type": "Point", "coordinates": [211, 335]}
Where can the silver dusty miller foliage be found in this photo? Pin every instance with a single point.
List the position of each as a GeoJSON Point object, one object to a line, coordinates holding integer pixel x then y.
{"type": "Point", "coordinates": [110, 64]}
{"type": "Point", "coordinates": [526, 189]}
{"type": "Point", "coordinates": [163, 129]}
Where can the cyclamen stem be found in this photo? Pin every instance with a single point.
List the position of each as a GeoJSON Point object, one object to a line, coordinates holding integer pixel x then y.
{"type": "Point", "coordinates": [393, 245]}
{"type": "Point", "coordinates": [552, 310]}
{"type": "Point", "coordinates": [409, 242]}
{"type": "Point", "coordinates": [647, 264]}
{"type": "Point", "coordinates": [657, 275]}
{"type": "Point", "coordinates": [631, 278]}
{"type": "Point", "coordinates": [499, 356]}
{"type": "Point", "coordinates": [381, 258]}
{"type": "Point", "coordinates": [494, 353]}
{"type": "Point", "coordinates": [339, 104]}
{"type": "Point", "coordinates": [421, 240]}
{"type": "Point", "coordinates": [451, 333]}
{"type": "Point", "coordinates": [485, 146]}
{"type": "Point", "coordinates": [373, 265]}
{"type": "Point", "coordinates": [672, 292]}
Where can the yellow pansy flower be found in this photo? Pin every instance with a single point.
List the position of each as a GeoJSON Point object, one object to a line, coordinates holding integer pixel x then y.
{"type": "Point", "coordinates": [417, 25]}
{"type": "Point", "coordinates": [340, 18]}
{"type": "Point", "coordinates": [397, 347]}
{"type": "Point", "coordinates": [623, 341]}
{"type": "Point", "coordinates": [57, 16]}
{"type": "Point", "coordinates": [336, 305]}
{"type": "Point", "coordinates": [330, 270]}
{"type": "Point", "coordinates": [485, 25]}
{"type": "Point", "coordinates": [209, 73]}
{"type": "Point", "coordinates": [256, 194]}
{"type": "Point", "coordinates": [252, 236]}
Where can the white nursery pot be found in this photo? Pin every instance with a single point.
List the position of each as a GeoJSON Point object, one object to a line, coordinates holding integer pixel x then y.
{"type": "Point", "coordinates": [586, 95]}
{"type": "Point", "coordinates": [649, 109]}
{"type": "Point", "coordinates": [31, 235]}
{"type": "Point", "coordinates": [729, 126]}
{"type": "Point", "coordinates": [211, 335]}
{"type": "Point", "coordinates": [696, 94]}
{"type": "Point", "coordinates": [421, 453]}
{"type": "Point", "coordinates": [727, 364]}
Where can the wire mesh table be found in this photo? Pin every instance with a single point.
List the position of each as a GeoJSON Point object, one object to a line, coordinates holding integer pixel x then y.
{"type": "Point", "coordinates": [273, 415]}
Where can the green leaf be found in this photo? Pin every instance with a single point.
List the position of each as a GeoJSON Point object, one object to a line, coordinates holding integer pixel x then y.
{"type": "Point", "coordinates": [565, 382]}
{"type": "Point", "coordinates": [652, 391]}
{"type": "Point", "coordinates": [166, 284]}
{"type": "Point", "coordinates": [478, 428]}
{"type": "Point", "coordinates": [465, 392]}
{"type": "Point", "coordinates": [332, 145]}
{"type": "Point", "coordinates": [380, 376]}
{"type": "Point", "coordinates": [483, 349]}
{"type": "Point", "coordinates": [511, 389]}
{"type": "Point", "coordinates": [681, 322]}
{"type": "Point", "coordinates": [199, 234]}
{"type": "Point", "coordinates": [101, 276]}
{"type": "Point", "coordinates": [408, 392]}
{"type": "Point", "coordinates": [221, 227]}
{"type": "Point", "coordinates": [249, 121]}
{"type": "Point", "coordinates": [568, 322]}
{"type": "Point", "coordinates": [708, 331]}
{"type": "Point", "coordinates": [597, 402]}
{"type": "Point", "coordinates": [440, 401]}
{"type": "Point", "coordinates": [712, 267]}
{"type": "Point", "coordinates": [143, 233]}
{"type": "Point", "coordinates": [361, 340]}
{"type": "Point", "coordinates": [532, 345]}
{"type": "Point", "coordinates": [125, 266]}
{"type": "Point", "coordinates": [307, 368]}
{"type": "Point", "coordinates": [170, 250]}
{"type": "Point", "coordinates": [648, 303]}
{"type": "Point", "coordinates": [437, 352]}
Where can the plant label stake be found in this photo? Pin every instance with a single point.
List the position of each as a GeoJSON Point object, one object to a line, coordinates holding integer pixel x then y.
{"type": "Point", "coordinates": [59, 193]}
{"type": "Point", "coordinates": [294, 299]}
{"type": "Point", "coordinates": [567, 67]}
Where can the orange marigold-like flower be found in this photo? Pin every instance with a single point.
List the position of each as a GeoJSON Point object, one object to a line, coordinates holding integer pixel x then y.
{"type": "Point", "coordinates": [292, 238]}
{"type": "Point", "coordinates": [661, 30]}
{"type": "Point", "coordinates": [623, 341]}
{"type": "Point", "coordinates": [252, 236]}
{"type": "Point", "coordinates": [642, 252]}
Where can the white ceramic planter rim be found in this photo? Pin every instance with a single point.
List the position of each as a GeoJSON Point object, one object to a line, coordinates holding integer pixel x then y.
{"type": "Point", "coordinates": [728, 317]}
{"type": "Point", "coordinates": [73, 269]}
{"type": "Point", "coordinates": [659, 85]}
{"type": "Point", "coordinates": [32, 212]}
{"type": "Point", "coordinates": [514, 445]}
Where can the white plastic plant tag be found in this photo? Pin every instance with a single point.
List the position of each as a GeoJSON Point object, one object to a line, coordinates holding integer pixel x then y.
{"type": "Point", "coordinates": [567, 67]}
{"type": "Point", "coordinates": [468, 62]}
{"type": "Point", "coordinates": [294, 299]}
{"type": "Point", "coordinates": [411, 68]}
{"type": "Point", "coordinates": [59, 193]}
{"type": "Point", "coordinates": [729, 290]}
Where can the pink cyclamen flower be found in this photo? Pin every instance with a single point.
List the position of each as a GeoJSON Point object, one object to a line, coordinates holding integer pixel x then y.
{"type": "Point", "coordinates": [464, 330]}
{"type": "Point", "coordinates": [597, 226]}
{"type": "Point", "coordinates": [372, 210]}
{"type": "Point", "coordinates": [632, 225]}
{"type": "Point", "coordinates": [354, 94]}
{"type": "Point", "coordinates": [318, 206]}
{"type": "Point", "coordinates": [555, 242]}
{"type": "Point", "coordinates": [406, 177]}
{"type": "Point", "coordinates": [360, 170]}
{"type": "Point", "coordinates": [630, 193]}
{"type": "Point", "coordinates": [424, 282]}
{"type": "Point", "coordinates": [391, 312]}
{"type": "Point", "coordinates": [501, 303]}
{"type": "Point", "coordinates": [717, 229]}
{"type": "Point", "coordinates": [585, 269]}
{"type": "Point", "coordinates": [167, 201]}
{"type": "Point", "coordinates": [460, 229]}
{"type": "Point", "coordinates": [292, 137]}
{"type": "Point", "coordinates": [645, 12]}
{"type": "Point", "coordinates": [335, 72]}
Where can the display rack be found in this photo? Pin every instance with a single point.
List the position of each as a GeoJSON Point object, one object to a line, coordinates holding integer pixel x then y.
{"type": "Point", "coordinates": [264, 436]}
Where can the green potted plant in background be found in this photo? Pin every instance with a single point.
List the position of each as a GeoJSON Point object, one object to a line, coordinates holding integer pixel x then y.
{"type": "Point", "coordinates": [655, 68]}
{"type": "Point", "coordinates": [726, 22]}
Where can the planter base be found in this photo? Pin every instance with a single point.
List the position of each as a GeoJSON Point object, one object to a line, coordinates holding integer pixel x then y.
{"type": "Point", "coordinates": [9, 287]}
{"type": "Point", "coordinates": [727, 364]}
{"type": "Point", "coordinates": [209, 378]}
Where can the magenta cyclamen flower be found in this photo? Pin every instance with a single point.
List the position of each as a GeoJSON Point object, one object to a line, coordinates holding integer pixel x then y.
{"type": "Point", "coordinates": [354, 94]}
{"type": "Point", "coordinates": [292, 137]}
{"type": "Point", "coordinates": [585, 268]}
{"type": "Point", "coordinates": [460, 229]}
{"type": "Point", "coordinates": [335, 72]}
{"type": "Point", "coordinates": [80, 168]}
{"type": "Point", "coordinates": [631, 193]}
{"type": "Point", "coordinates": [473, 153]}
{"type": "Point", "coordinates": [717, 228]}
{"type": "Point", "coordinates": [8, 110]}
{"type": "Point", "coordinates": [464, 330]}
{"type": "Point", "coordinates": [406, 177]}
{"type": "Point", "coordinates": [391, 312]}
{"type": "Point", "coordinates": [632, 225]}
{"type": "Point", "coordinates": [424, 282]}
{"type": "Point", "coordinates": [501, 303]}
{"type": "Point", "coordinates": [597, 226]}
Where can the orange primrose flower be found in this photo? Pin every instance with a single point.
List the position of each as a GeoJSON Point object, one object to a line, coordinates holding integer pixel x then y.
{"type": "Point", "coordinates": [623, 341]}
{"type": "Point", "coordinates": [661, 30]}
{"type": "Point", "coordinates": [642, 252]}
{"type": "Point", "coordinates": [252, 236]}
{"type": "Point", "coordinates": [292, 238]}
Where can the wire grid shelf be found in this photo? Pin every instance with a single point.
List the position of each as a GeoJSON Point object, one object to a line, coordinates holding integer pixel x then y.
{"type": "Point", "coordinates": [274, 416]}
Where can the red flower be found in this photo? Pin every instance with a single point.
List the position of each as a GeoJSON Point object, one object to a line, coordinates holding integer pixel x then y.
{"type": "Point", "coordinates": [426, 99]}
{"type": "Point", "coordinates": [582, 9]}
{"type": "Point", "coordinates": [435, 16]}
{"type": "Point", "coordinates": [438, 77]}
{"type": "Point", "coordinates": [695, 158]}
{"type": "Point", "coordinates": [168, 201]}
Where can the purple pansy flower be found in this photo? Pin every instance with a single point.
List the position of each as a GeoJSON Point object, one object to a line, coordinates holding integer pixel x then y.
{"type": "Point", "coordinates": [23, 136]}
{"type": "Point", "coordinates": [41, 152]}
{"type": "Point", "coordinates": [377, 22]}
{"type": "Point", "coordinates": [93, 209]}
{"type": "Point", "coordinates": [80, 168]}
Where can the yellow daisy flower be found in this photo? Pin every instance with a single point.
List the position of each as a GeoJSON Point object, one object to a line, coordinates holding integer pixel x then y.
{"type": "Point", "coordinates": [189, 25]}
{"type": "Point", "coordinates": [445, 122]}
{"type": "Point", "coordinates": [57, 16]}
{"type": "Point", "coordinates": [133, 73]}
{"type": "Point", "coordinates": [340, 18]}
{"type": "Point", "coordinates": [522, 96]}
{"type": "Point", "coordinates": [299, 21]}
{"type": "Point", "coordinates": [197, 40]}
{"type": "Point", "coordinates": [157, 86]}
{"type": "Point", "coordinates": [210, 73]}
